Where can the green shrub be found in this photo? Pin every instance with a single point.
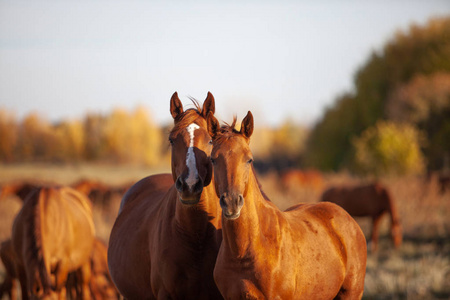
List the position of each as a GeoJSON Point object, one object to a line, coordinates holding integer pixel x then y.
{"type": "Point", "coordinates": [389, 148]}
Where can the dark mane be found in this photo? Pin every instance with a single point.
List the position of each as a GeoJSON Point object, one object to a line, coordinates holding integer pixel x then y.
{"type": "Point", "coordinates": [189, 116]}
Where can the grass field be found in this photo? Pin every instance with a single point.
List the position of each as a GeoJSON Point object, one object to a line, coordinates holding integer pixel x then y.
{"type": "Point", "coordinates": [419, 269]}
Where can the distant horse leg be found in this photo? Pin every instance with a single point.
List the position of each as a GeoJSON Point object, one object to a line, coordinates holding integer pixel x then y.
{"type": "Point", "coordinates": [375, 227]}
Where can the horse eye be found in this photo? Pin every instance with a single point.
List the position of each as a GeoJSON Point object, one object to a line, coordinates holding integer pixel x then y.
{"type": "Point", "coordinates": [213, 161]}
{"type": "Point", "coordinates": [210, 142]}
{"type": "Point", "coordinates": [170, 141]}
{"type": "Point", "coordinates": [250, 161]}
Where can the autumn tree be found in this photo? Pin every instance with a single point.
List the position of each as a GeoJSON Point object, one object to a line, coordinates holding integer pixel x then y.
{"type": "Point", "coordinates": [420, 50]}
{"type": "Point", "coordinates": [425, 102]}
{"type": "Point", "coordinates": [8, 136]}
{"type": "Point", "coordinates": [389, 148]}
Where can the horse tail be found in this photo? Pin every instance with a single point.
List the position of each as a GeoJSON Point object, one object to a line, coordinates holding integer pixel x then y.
{"type": "Point", "coordinates": [35, 253]}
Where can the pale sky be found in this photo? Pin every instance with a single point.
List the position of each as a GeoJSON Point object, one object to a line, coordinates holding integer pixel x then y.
{"type": "Point", "coordinates": [279, 59]}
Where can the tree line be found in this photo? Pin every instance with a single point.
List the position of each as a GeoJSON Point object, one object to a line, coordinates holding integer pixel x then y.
{"type": "Point", "coordinates": [397, 120]}
{"type": "Point", "coordinates": [119, 137]}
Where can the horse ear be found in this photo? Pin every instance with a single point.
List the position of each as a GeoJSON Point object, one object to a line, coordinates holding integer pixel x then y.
{"type": "Point", "coordinates": [209, 105]}
{"type": "Point", "coordinates": [213, 125]}
{"type": "Point", "coordinates": [247, 125]}
{"type": "Point", "coordinates": [176, 108]}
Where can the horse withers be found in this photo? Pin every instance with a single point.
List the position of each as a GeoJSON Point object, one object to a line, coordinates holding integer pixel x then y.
{"type": "Point", "coordinates": [309, 251]}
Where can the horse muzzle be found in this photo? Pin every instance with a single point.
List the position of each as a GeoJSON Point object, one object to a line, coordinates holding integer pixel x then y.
{"type": "Point", "coordinates": [231, 205]}
{"type": "Point", "coordinates": [189, 194]}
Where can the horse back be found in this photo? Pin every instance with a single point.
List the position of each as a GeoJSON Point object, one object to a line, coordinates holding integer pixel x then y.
{"type": "Point", "coordinates": [327, 225]}
{"type": "Point", "coordinates": [360, 201]}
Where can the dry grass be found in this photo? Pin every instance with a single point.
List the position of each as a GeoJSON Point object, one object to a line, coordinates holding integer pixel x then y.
{"type": "Point", "coordinates": [419, 269]}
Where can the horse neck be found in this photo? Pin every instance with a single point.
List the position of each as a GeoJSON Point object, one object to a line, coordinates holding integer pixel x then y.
{"type": "Point", "coordinates": [194, 220]}
{"type": "Point", "coordinates": [241, 234]}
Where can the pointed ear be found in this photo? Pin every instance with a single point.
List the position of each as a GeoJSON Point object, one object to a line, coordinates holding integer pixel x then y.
{"type": "Point", "coordinates": [247, 125]}
{"type": "Point", "coordinates": [176, 108]}
{"type": "Point", "coordinates": [213, 125]}
{"type": "Point", "coordinates": [209, 105]}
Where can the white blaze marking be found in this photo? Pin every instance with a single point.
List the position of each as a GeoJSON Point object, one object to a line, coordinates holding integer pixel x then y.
{"type": "Point", "coordinates": [190, 158]}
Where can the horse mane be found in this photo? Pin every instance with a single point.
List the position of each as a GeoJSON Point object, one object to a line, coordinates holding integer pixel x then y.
{"type": "Point", "coordinates": [34, 252]}
{"type": "Point", "coordinates": [227, 131]}
{"type": "Point", "coordinates": [187, 117]}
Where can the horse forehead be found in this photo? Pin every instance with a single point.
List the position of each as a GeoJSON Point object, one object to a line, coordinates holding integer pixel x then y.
{"type": "Point", "coordinates": [235, 144]}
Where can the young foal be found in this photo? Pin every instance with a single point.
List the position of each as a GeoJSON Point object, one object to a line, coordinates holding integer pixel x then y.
{"type": "Point", "coordinates": [165, 240]}
{"type": "Point", "coordinates": [373, 200]}
{"type": "Point", "coordinates": [311, 251]}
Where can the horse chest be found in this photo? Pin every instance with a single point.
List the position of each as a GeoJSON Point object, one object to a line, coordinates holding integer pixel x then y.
{"type": "Point", "coordinates": [184, 270]}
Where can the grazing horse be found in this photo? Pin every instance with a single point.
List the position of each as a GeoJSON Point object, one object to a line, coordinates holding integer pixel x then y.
{"type": "Point", "coordinates": [52, 235]}
{"type": "Point", "coordinates": [309, 251]}
{"type": "Point", "coordinates": [165, 239]}
{"type": "Point", "coordinates": [20, 189]}
{"type": "Point", "coordinates": [305, 178]}
{"type": "Point", "coordinates": [373, 200]}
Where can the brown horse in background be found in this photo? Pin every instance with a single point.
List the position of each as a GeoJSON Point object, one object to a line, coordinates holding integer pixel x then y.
{"type": "Point", "coordinates": [20, 189]}
{"type": "Point", "coordinates": [373, 200]}
{"type": "Point", "coordinates": [309, 251]}
{"type": "Point", "coordinates": [311, 179]}
{"type": "Point", "coordinates": [166, 237]}
{"type": "Point", "coordinates": [52, 235]}
{"type": "Point", "coordinates": [99, 193]}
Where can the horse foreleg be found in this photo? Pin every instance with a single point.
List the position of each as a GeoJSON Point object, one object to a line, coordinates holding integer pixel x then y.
{"type": "Point", "coordinates": [375, 227]}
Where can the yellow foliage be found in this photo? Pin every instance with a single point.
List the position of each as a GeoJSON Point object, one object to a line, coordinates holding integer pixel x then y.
{"type": "Point", "coordinates": [132, 137]}
{"type": "Point", "coordinates": [389, 148]}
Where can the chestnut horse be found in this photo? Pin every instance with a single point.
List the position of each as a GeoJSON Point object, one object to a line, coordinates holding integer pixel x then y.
{"type": "Point", "coordinates": [52, 235]}
{"type": "Point", "coordinates": [373, 200]}
{"type": "Point", "coordinates": [311, 179]}
{"type": "Point", "coordinates": [165, 240]}
{"type": "Point", "coordinates": [309, 251]}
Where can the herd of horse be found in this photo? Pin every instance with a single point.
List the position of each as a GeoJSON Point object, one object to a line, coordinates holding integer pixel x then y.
{"type": "Point", "coordinates": [206, 231]}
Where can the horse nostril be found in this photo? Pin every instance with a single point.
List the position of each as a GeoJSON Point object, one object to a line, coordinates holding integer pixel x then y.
{"type": "Point", "coordinates": [240, 200]}
{"type": "Point", "coordinates": [222, 201]}
{"type": "Point", "coordinates": [179, 184]}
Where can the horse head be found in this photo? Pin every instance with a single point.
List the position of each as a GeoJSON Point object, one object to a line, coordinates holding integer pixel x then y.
{"type": "Point", "coordinates": [232, 160]}
{"type": "Point", "coordinates": [191, 148]}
